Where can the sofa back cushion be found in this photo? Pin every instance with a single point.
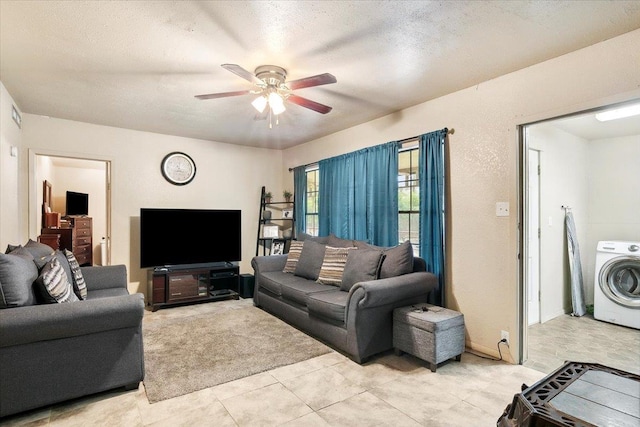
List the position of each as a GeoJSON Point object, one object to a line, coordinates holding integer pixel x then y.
{"type": "Point", "coordinates": [17, 274]}
{"type": "Point", "coordinates": [310, 260]}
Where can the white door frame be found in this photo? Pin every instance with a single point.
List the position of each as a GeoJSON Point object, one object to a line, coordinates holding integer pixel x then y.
{"type": "Point", "coordinates": [34, 204]}
{"type": "Point", "coordinates": [532, 203]}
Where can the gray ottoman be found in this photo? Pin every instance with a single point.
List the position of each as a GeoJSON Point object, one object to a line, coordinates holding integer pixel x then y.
{"type": "Point", "coordinates": [434, 335]}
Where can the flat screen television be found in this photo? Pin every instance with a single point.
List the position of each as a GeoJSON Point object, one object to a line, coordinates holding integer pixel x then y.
{"type": "Point", "coordinates": [77, 203]}
{"type": "Point", "coordinates": [180, 237]}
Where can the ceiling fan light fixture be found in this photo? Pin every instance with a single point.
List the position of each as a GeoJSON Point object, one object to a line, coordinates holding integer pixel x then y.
{"type": "Point", "coordinates": [276, 103]}
{"type": "Point", "coordinates": [259, 103]}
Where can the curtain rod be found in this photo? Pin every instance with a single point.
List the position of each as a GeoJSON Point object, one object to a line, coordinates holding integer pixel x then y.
{"type": "Point", "coordinates": [446, 130]}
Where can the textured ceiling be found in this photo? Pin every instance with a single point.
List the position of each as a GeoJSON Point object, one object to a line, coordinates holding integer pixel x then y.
{"type": "Point", "coordinates": [138, 64]}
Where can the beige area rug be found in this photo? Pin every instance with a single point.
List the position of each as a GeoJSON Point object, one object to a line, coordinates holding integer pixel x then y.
{"type": "Point", "coordinates": [188, 354]}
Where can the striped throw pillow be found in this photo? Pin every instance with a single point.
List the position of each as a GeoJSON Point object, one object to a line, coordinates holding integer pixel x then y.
{"type": "Point", "coordinates": [53, 283]}
{"type": "Point", "coordinates": [333, 266]}
{"type": "Point", "coordinates": [294, 255]}
{"type": "Point", "coordinates": [79, 285]}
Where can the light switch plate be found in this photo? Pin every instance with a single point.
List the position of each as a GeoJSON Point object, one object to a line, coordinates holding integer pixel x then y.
{"type": "Point", "coordinates": [502, 208]}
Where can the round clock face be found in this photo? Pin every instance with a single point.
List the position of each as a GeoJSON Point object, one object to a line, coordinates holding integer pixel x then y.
{"type": "Point", "coordinates": [178, 168]}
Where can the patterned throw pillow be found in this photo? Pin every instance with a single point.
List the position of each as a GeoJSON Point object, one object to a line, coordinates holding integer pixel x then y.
{"type": "Point", "coordinates": [333, 266]}
{"type": "Point", "coordinates": [79, 285]}
{"type": "Point", "coordinates": [294, 255]}
{"type": "Point", "coordinates": [53, 284]}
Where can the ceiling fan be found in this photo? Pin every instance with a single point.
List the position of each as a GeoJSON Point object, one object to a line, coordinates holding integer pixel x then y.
{"type": "Point", "coordinates": [272, 89]}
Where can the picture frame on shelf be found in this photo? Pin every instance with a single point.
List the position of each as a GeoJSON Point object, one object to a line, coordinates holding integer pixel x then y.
{"type": "Point", "coordinates": [270, 231]}
{"type": "Point", "coordinates": [277, 247]}
{"type": "Point", "coordinates": [287, 213]}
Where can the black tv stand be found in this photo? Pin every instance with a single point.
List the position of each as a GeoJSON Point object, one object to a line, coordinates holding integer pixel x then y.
{"type": "Point", "coordinates": [180, 285]}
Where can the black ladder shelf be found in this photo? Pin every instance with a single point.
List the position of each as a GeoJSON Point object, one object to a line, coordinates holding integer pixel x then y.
{"type": "Point", "coordinates": [279, 222]}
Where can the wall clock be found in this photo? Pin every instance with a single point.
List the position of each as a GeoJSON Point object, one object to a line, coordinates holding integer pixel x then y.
{"type": "Point", "coordinates": [178, 168]}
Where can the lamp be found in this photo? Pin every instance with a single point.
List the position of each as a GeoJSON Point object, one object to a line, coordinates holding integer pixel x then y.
{"type": "Point", "coordinates": [276, 103]}
{"type": "Point", "coordinates": [619, 113]}
{"type": "Point", "coordinates": [260, 103]}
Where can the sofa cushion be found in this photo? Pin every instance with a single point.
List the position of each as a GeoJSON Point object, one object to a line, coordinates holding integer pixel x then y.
{"type": "Point", "coordinates": [329, 305]}
{"type": "Point", "coordinates": [17, 274]}
{"type": "Point", "coordinates": [333, 265]}
{"type": "Point", "coordinates": [293, 256]}
{"type": "Point", "coordinates": [53, 284]}
{"type": "Point", "coordinates": [11, 248]}
{"type": "Point", "coordinates": [336, 242]}
{"type": "Point", "coordinates": [272, 281]}
{"type": "Point", "coordinates": [310, 260]}
{"type": "Point", "coordinates": [362, 265]}
{"type": "Point", "coordinates": [299, 291]}
{"type": "Point", "coordinates": [304, 237]}
{"type": "Point", "coordinates": [77, 279]}
{"type": "Point", "coordinates": [37, 249]}
{"type": "Point", "coordinates": [62, 259]}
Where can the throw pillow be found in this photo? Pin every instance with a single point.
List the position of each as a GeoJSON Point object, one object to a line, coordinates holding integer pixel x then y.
{"type": "Point", "coordinates": [53, 284]}
{"type": "Point", "coordinates": [362, 265]}
{"type": "Point", "coordinates": [336, 242]}
{"type": "Point", "coordinates": [293, 256]}
{"type": "Point", "coordinates": [37, 249]}
{"type": "Point", "coordinates": [17, 274]}
{"type": "Point", "coordinates": [310, 260]}
{"type": "Point", "coordinates": [397, 261]}
{"type": "Point", "coordinates": [333, 265]}
{"type": "Point", "coordinates": [79, 285]}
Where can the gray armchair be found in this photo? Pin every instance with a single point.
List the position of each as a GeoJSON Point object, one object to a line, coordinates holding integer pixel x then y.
{"type": "Point", "coordinates": [54, 352]}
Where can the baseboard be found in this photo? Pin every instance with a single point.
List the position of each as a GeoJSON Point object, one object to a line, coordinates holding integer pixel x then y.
{"type": "Point", "coordinates": [481, 350]}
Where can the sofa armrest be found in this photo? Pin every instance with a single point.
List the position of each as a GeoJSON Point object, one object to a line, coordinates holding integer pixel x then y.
{"type": "Point", "coordinates": [105, 277]}
{"type": "Point", "coordinates": [263, 264]}
{"type": "Point", "coordinates": [45, 322]}
{"type": "Point", "coordinates": [387, 291]}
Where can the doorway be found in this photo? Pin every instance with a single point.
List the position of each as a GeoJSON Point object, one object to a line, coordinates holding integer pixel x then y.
{"type": "Point", "coordinates": [78, 175]}
{"type": "Point", "coordinates": [588, 165]}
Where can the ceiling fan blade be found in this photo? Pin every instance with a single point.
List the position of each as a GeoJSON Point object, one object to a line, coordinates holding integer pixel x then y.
{"type": "Point", "coordinates": [241, 72]}
{"type": "Point", "coordinates": [307, 103]}
{"type": "Point", "coordinates": [223, 94]}
{"type": "Point", "coordinates": [320, 79]}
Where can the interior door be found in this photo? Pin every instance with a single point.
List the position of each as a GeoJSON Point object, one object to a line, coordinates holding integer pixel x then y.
{"type": "Point", "coordinates": [533, 238]}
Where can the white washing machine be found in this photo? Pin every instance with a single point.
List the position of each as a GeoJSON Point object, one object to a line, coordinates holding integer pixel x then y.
{"type": "Point", "coordinates": [616, 293]}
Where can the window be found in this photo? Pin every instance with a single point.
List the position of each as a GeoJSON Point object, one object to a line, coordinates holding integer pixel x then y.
{"type": "Point", "coordinates": [311, 208]}
{"type": "Point", "coordinates": [409, 197]}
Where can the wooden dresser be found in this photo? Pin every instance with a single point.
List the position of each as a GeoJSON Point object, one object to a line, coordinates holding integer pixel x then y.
{"type": "Point", "coordinates": [76, 237]}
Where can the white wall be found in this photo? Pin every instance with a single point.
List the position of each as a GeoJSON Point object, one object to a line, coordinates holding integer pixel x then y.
{"type": "Point", "coordinates": [564, 164]}
{"type": "Point", "coordinates": [614, 196]}
{"type": "Point", "coordinates": [10, 136]}
{"type": "Point", "coordinates": [228, 177]}
{"type": "Point", "coordinates": [482, 275]}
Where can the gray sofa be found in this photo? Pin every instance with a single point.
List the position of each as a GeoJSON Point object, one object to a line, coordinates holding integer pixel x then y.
{"type": "Point", "coordinates": [357, 321]}
{"type": "Point", "coordinates": [54, 352]}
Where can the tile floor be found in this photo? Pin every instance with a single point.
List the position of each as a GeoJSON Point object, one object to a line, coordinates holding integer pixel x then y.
{"type": "Point", "coordinates": [329, 390]}
{"type": "Point", "coordinates": [583, 339]}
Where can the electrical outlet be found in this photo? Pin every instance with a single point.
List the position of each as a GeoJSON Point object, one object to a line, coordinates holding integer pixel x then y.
{"type": "Point", "coordinates": [504, 335]}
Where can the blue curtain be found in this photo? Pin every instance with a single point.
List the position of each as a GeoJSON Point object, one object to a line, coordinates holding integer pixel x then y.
{"type": "Point", "coordinates": [300, 198]}
{"type": "Point", "coordinates": [431, 179]}
{"type": "Point", "coordinates": [358, 196]}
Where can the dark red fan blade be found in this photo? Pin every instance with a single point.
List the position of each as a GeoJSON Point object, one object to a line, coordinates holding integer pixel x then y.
{"type": "Point", "coordinates": [320, 79]}
{"type": "Point", "coordinates": [307, 103]}
{"type": "Point", "coordinates": [239, 71]}
{"type": "Point", "coordinates": [222, 94]}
